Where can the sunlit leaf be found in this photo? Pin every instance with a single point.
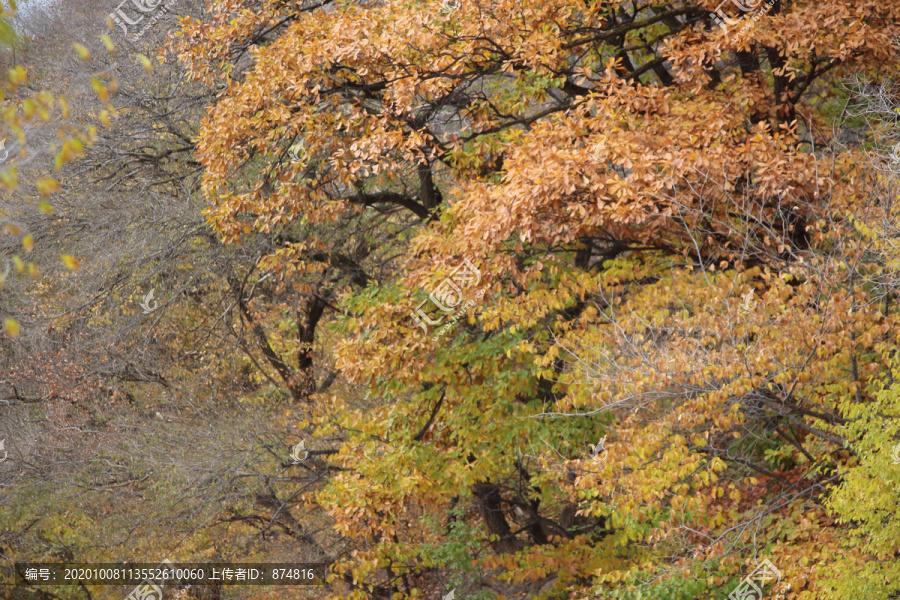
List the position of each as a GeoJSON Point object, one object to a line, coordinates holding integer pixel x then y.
{"type": "Point", "coordinates": [108, 43]}
{"type": "Point", "coordinates": [70, 262]}
{"type": "Point", "coordinates": [17, 75]}
{"type": "Point", "coordinates": [11, 328]}
{"type": "Point", "coordinates": [64, 108]}
{"type": "Point", "coordinates": [145, 62]}
{"type": "Point", "coordinates": [8, 35]}
{"type": "Point", "coordinates": [48, 186]}
{"type": "Point", "coordinates": [100, 89]}
{"type": "Point", "coordinates": [83, 52]}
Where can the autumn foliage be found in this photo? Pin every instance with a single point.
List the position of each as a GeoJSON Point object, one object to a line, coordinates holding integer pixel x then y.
{"type": "Point", "coordinates": [678, 249]}
{"type": "Point", "coordinates": [676, 254]}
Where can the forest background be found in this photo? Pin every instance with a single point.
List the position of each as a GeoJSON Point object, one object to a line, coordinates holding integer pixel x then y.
{"type": "Point", "coordinates": [564, 298]}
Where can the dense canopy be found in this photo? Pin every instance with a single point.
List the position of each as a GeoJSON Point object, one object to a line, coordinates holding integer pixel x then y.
{"type": "Point", "coordinates": [562, 298]}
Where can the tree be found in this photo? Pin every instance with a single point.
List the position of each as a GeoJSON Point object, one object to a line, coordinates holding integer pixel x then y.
{"type": "Point", "coordinates": [625, 177]}
{"type": "Point", "coordinates": [565, 298]}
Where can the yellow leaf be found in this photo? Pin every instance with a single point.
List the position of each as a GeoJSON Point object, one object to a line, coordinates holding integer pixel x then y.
{"type": "Point", "coordinates": [18, 75]}
{"type": "Point", "coordinates": [48, 186]}
{"type": "Point", "coordinates": [45, 207]}
{"type": "Point", "coordinates": [108, 43]}
{"type": "Point", "coordinates": [145, 62]}
{"type": "Point", "coordinates": [11, 328]}
{"type": "Point", "coordinates": [101, 90]}
{"type": "Point", "coordinates": [70, 150]}
{"type": "Point", "coordinates": [28, 243]}
{"type": "Point", "coordinates": [29, 107]}
{"type": "Point", "coordinates": [70, 261]}
{"type": "Point", "coordinates": [82, 51]}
